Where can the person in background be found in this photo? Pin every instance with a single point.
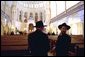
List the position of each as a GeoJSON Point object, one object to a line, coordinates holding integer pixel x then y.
{"type": "Point", "coordinates": [63, 41]}
{"type": "Point", "coordinates": [12, 33]}
{"type": "Point", "coordinates": [38, 41]}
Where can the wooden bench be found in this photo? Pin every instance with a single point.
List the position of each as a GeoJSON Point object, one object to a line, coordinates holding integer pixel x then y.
{"type": "Point", "coordinates": [20, 42]}
{"type": "Point", "coordinates": [14, 42]}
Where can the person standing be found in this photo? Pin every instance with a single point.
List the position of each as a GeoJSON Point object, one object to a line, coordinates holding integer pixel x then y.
{"type": "Point", "coordinates": [38, 41]}
{"type": "Point", "coordinates": [63, 41]}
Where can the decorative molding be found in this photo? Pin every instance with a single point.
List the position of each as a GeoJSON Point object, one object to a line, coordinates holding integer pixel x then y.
{"type": "Point", "coordinates": [78, 7]}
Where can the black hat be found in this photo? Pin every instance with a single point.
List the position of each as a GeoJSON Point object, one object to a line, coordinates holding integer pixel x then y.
{"type": "Point", "coordinates": [64, 24]}
{"type": "Point", "coordinates": [39, 24]}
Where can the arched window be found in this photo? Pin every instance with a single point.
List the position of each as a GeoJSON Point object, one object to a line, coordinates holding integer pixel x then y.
{"type": "Point", "coordinates": [20, 17]}
{"type": "Point", "coordinates": [25, 16]}
{"type": "Point", "coordinates": [41, 17]}
{"type": "Point", "coordinates": [31, 16]}
{"type": "Point", "coordinates": [36, 17]}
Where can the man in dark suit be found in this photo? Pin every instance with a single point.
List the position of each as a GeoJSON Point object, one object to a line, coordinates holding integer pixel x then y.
{"type": "Point", "coordinates": [63, 41]}
{"type": "Point", "coordinates": [38, 41]}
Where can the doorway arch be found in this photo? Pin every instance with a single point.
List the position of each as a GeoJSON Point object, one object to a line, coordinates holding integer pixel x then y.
{"type": "Point", "coordinates": [30, 27]}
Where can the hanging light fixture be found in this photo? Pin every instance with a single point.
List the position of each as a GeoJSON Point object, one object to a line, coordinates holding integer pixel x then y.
{"type": "Point", "coordinates": [65, 7]}
{"type": "Point", "coordinates": [66, 12]}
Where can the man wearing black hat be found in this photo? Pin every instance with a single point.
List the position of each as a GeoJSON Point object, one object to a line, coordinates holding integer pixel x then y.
{"type": "Point", "coordinates": [38, 41]}
{"type": "Point", "coordinates": [63, 41]}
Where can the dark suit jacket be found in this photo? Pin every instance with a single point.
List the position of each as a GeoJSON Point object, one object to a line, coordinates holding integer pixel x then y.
{"type": "Point", "coordinates": [38, 43]}
{"type": "Point", "coordinates": [63, 44]}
